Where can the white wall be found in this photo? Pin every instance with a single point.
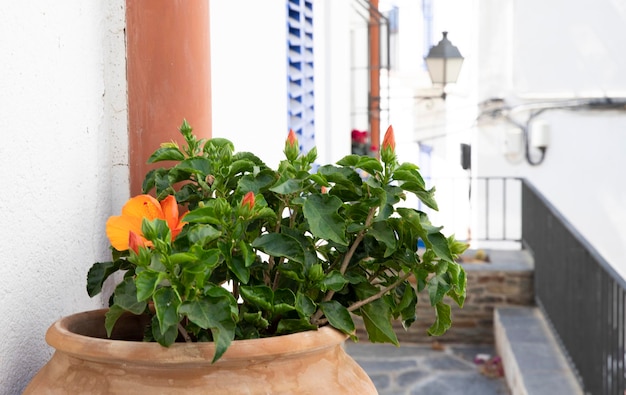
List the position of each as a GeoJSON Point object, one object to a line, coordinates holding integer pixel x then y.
{"type": "Point", "coordinates": [551, 51]}
{"type": "Point", "coordinates": [249, 75]}
{"type": "Point", "coordinates": [332, 76]}
{"type": "Point", "coordinates": [63, 127]}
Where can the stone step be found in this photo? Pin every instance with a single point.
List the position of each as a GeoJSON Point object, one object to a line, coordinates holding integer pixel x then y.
{"type": "Point", "coordinates": [534, 363]}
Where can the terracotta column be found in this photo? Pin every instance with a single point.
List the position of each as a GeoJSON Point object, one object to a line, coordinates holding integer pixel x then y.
{"type": "Point", "coordinates": [374, 66]}
{"type": "Point", "coordinates": [169, 79]}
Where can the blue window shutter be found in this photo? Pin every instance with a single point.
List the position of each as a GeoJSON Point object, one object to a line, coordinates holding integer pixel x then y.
{"type": "Point", "coordinates": [301, 107]}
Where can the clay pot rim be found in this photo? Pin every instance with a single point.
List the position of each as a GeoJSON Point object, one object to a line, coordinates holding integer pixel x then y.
{"type": "Point", "coordinates": [61, 337]}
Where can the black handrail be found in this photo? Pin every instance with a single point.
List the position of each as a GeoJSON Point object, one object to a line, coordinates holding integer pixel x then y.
{"type": "Point", "coordinates": [582, 296]}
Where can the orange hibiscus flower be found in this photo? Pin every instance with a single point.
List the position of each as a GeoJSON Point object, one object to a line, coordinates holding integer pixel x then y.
{"type": "Point", "coordinates": [120, 229]}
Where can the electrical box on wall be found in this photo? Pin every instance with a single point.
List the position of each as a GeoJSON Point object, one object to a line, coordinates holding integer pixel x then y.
{"type": "Point", "coordinates": [466, 156]}
{"type": "Point", "coordinates": [540, 134]}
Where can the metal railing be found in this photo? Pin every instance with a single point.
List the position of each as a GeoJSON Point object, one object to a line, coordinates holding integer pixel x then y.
{"type": "Point", "coordinates": [483, 209]}
{"type": "Point", "coordinates": [580, 293]}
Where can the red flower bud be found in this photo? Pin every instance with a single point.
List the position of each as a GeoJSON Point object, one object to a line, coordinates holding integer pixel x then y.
{"type": "Point", "coordinates": [389, 142]}
{"type": "Point", "coordinates": [248, 200]}
{"type": "Point", "coordinates": [135, 241]}
{"type": "Point", "coordinates": [292, 140]}
{"type": "Point", "coordinates": [292, 150]}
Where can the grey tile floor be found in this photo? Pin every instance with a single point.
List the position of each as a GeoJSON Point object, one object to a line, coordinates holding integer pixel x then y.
{"type": "Point", "coordinates": [421, 370]}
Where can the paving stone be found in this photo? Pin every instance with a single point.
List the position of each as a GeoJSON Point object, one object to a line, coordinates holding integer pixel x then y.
{"type": "Point", "coordinates": [386, 365]}
{"type": "Point", "coordinates": [408, 379]}
{"type": "Point", "coordinates": [381, 381]}
{"type": "Point", "coordinates": [418, 369]}
{"type": "Point", "coordinates": [448, 362]}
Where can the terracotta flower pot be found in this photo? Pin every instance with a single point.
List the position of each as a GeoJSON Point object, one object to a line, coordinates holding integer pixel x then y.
{"type": "Point", "coordinates": [86, 362]}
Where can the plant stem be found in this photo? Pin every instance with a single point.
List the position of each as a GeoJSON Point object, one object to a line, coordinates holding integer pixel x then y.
{"type": "Point", "coordinates": [183, 332]}
{"type": "Point", "coordinates": [346, 260]}
{"type": "Point", "coordinates": [372, 298]}
{"type": "Point", "coordinates": [357, 241]}
{"type": "Point", "coordinates": [380, 293]}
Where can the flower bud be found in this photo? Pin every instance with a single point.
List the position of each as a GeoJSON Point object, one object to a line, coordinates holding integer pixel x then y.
{"type": "Point", "coordinates": [135, 241]}
{"type": "Point", "coordinates": [388, 151]}
{"type": "Point", "coordinates": [291, 146]}
{"type": "Point", "coordinates": [248, 200]}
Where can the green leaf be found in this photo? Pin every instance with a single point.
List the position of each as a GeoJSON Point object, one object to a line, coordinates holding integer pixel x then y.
{"type": "Point", "coordinates": [427, 197]}
{"type": "Point", "coordinates": [440, 246]}
{"type": "Point", "coordinates": [237, 265]}
{"type": "Point", "coordinates": [111, 317]}
{"type": "Point", "coordinates": [349, 160]}
{"type": "Point", "coordinates": [256, 183]}
{"type": "Point", "coordinates": [125, 296]}
{"type": "Point", "coordinates": [166, 303]}
{"type": "Point", "coordinates": [258, 295]}
{"type": "Point", "coordinates": [240, 166]}
{"type": "Point", "coordinates": [96, 276]}
{"type": "Point", "coordinates": [247, 253]}
{"type": "Point", "coordinates": [284, 301]}
{"type": "Point", "coordinates": [377, 319]}
{"type": "Point", "coordinates": [369, 164]}
{"type": "Point", "coordinates": [154, 230]}
{"type": "Point", "coordinates": [181, 258]}
{"type": "Point", "coordinates": [166, 153]}
{"type": "Point", "coordinates": [203, 234]}
{"type": "Point", "coordinates": [342, 176]}
{"type": "Point", "coordinates": [221, 317]}
{"type": "Point", "coordinates": [195, 165]}
{"type": "Point", "coordinates": [164, 336]}
{"type": "Point", "coordinates": [289, 186]}
{"type": "Point", "coordinates": [293, 270]}
{"type": "Point", "coordinates": [382, 232]}
{"type": "Point", "coordinates": [256, 319]}
{"type": "Point", "coordinates": [202, 215]}
{"type": "Point", "coordinates": [338, 316]}
{"type": "Point", "coordinates": [323, 218]}
{"type": "Point", "coordinates": [294, 325]}
{"type": "Point", "coordinates": [409, 176]}
{"type": "Point", "coordinates": [146, 283]}
{"type": "Point", "coordinates": [333, 281]}
{"type": "Point", "coordinates": [458, 280]}
{"type": "Point", "coordinates": [442, 322]}
{"type": "Point", "coordinates": [407, 304]}
{"type": "Point", "coordinates": [304, 306]}
{"type": "Point", "coordinates": [438, 286]}
{"type": "Point", "coordinates": [198, 312]}
{"type": "Point", "coordinates": [280, 245]}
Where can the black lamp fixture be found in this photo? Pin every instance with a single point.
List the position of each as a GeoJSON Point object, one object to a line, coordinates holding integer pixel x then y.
{"type": "Point", "coordinates": [444, 63]}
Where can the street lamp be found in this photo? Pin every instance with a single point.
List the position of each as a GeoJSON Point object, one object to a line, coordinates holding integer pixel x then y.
{"type": "Point", "coordinates": [444, 63]}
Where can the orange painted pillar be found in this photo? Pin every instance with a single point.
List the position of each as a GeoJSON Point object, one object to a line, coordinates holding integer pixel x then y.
{"type": "Point", "coordinates": [169, 76]}
{"type": "Point", "coordinates": [374, 66]}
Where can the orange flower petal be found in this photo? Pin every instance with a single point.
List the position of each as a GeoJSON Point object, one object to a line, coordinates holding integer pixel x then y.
{"type": "Point", "coordinates": [174, 221]}
{"type": "Point", "coordinates": [118, 228]}
{"type": "Point", "coordinates": [143, 206]}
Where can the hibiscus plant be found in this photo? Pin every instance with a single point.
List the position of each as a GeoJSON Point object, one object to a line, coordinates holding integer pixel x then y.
{"type": "Point", "coordinates": [261, 252]}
